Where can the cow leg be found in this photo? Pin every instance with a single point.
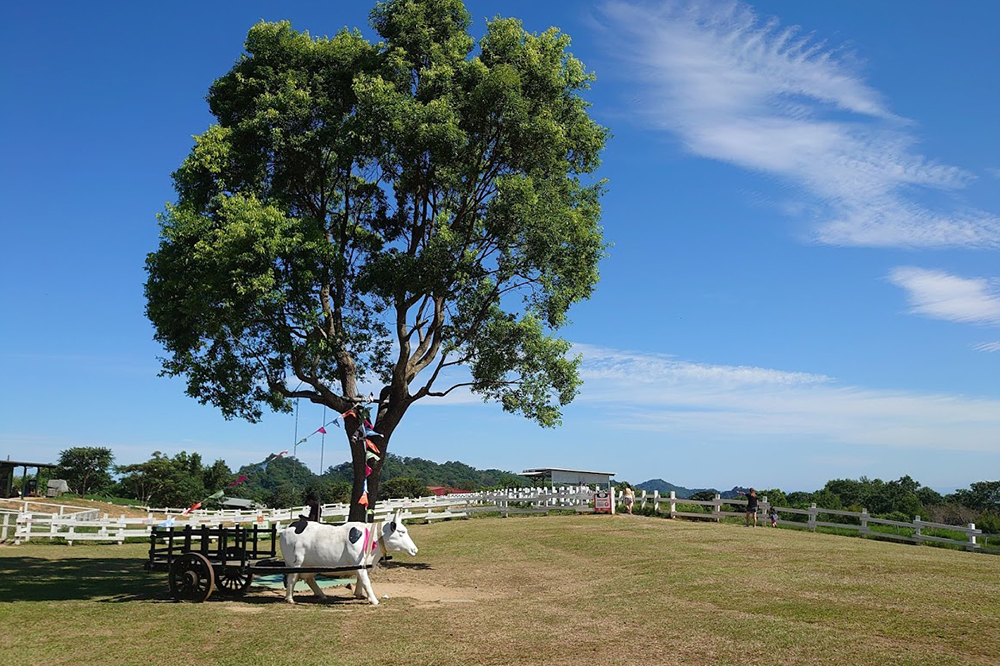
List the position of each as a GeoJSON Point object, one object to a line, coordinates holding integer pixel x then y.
{"type": "Point", "coordinates": [366, 584]}
{"type": "Point", "coordinates": [310, 580]}
{"type": "Point", "coordinates": [359, 591]}
{"type": "Point", "coordinates": [290, 580]}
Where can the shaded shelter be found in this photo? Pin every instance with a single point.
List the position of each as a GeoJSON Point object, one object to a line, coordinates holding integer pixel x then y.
{"type": "Point", "coordinates": [557, 476]}
{"type": "Point", "coordinates": [28, 486]}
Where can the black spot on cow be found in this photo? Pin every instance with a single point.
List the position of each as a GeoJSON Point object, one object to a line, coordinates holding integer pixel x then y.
{"type": "Point", "coordinates": [354, 535]}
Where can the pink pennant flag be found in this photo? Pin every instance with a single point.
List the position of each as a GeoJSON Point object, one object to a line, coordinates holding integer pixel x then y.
{"type": "Point", "coordinates": [368, 470]}
{"type": "Point", "coordinates": [368, 424]}
{"type": "Point", "coordinates": [281, 454]}
{"type": "Point", "coordinates": [243, 477]}
{"type": "Point", "coordinates": [322, 430]}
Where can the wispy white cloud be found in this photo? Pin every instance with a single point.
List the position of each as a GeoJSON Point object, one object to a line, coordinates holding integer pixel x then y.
{"type": "Point", "coordinates": [604, 364]}
{"type": "Point", "coordinates": [768, 98]}
{"type": "Point", "coordinates": [988, 346]}
{"type": "Point", "coordinates": [715, 403]}
{"type": "Point", "coordinates": [941, 295]}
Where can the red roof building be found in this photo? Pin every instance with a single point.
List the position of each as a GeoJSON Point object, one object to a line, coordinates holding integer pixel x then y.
{"type": "Point", "coordinates": [446, 490]}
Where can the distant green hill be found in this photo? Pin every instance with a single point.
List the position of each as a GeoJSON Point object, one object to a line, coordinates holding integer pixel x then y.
{"type": "Point", "coordinates": [682, 492]}
{"type": "Point", "coordinates": [453, 474]}
{"type": "Point", "coordinates": [665, 488]}
{"type": "Point", "coordinates": [287, 482]}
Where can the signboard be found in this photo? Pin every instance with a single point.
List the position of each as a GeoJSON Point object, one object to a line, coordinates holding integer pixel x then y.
{"type": "Point", "coordinates": [602, 502]}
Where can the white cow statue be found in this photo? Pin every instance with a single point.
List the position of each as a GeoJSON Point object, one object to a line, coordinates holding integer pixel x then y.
{"type": "Point", "coordinates": [312, 544]}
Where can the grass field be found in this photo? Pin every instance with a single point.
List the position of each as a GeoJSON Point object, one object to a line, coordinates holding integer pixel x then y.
{"type": "Point", "coordinates": [535, 590]}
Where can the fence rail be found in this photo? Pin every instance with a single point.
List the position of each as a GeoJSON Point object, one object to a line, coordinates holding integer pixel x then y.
{"type": "Point", "coordinates": [91, 525]}
{"type": "Point", "coordinates": [972, 538]}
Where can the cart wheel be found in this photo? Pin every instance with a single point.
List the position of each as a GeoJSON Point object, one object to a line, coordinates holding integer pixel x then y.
{"type": "Point", "coordinates": [191, 577]}
{"type": "Point", "coordinates": [232, 580]}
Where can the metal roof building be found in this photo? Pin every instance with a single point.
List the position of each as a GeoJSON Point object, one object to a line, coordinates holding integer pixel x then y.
{"type": "Point", "coordinates": [556, 476]}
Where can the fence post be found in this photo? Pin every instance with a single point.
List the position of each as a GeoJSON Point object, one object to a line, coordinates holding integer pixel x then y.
{"type": "Point", "coordinates": [3, 528]}
{"type": "Point", "coordinates": [673, 504]}
{"type": "Point", "coordinates": [812, 517]}
{"type": "Point", "coordinates": [917, 539]}
{"type": "Point", "coordinates": [972, 537]}
{"type": "Point", "coordinates": [656, 501]}
{"type": "Point", "coordinates": [717, 507]}
{"type": "Point", "coordinates": [864, 522]}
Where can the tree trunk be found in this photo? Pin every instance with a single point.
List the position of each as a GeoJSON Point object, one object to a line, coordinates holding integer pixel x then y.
{"type": "Point", "coordinates": [388, 417]}
{"type": "Point", "coordinates": [358, 511]}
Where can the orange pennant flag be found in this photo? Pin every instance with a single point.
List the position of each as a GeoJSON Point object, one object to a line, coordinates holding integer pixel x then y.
{"type": "Point", "coordinates": [363, 500]}
{"type": "Point", "coordinates": [371, 445]}
{"type": "Point", "coordinates": [349, 412]}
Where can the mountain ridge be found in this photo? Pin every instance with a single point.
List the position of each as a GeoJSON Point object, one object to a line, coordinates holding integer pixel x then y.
{"type": "Point", "coordinates": [664, 487]}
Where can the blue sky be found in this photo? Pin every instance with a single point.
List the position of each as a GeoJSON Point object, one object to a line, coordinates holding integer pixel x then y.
{"type": "Point", "coordinates": [804, 202]}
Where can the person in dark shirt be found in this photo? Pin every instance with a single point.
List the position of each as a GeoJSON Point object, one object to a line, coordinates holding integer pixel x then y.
{"type": "Point", "coordinates": [312, 505]}
{"type": "Point", "coordinates": [751, 496]}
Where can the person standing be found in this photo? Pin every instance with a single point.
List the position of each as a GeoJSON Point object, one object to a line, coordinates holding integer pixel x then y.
{"type": "Point", "coordinates": [628, 495]}
{"type": "Point", "coordinates": [751, 496]}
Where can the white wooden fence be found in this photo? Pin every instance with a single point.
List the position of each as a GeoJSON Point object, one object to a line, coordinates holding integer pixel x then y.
{"type": "Point", "coordinates": [90, 525]}
{"type": "Point", "coordinates": [814, 518]}
{"type": "Point", "coordinates": [72, 524]}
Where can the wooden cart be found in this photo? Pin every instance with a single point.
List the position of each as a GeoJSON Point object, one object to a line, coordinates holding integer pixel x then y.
{"type": "Point", "coordinates": [200, 560]}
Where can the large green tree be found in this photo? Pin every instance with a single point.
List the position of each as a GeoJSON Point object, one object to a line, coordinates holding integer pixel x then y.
{"type": "Point", "coordinates": [86, 469]}
{"type": "Point", "coordinates": [414, 214]}
{"type": "Point", "coordinates": [171, 482]}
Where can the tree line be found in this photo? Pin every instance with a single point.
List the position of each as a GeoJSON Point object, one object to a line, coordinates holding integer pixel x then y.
{"type": "Point", "coordinates": [183, 479]}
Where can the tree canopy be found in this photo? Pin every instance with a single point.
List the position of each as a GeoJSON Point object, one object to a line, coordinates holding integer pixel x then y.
{"type": "Point", "coordinates": [416, 213]}
{"type": "Point", "coordinates": [86, 469]}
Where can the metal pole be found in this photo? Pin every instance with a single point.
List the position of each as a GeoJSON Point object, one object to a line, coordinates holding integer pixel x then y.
{"type": "Point", "coordinates": [295, 436]}
{"type": "Point", "coordinates": [322, 442]}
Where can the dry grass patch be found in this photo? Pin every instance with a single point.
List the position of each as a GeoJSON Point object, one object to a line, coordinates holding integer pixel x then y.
{"type": "Point", "coordinates": [534, 590]}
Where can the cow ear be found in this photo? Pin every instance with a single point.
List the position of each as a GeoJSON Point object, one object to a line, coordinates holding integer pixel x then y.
{"type": "Point", "coordinates": [392, 527]}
